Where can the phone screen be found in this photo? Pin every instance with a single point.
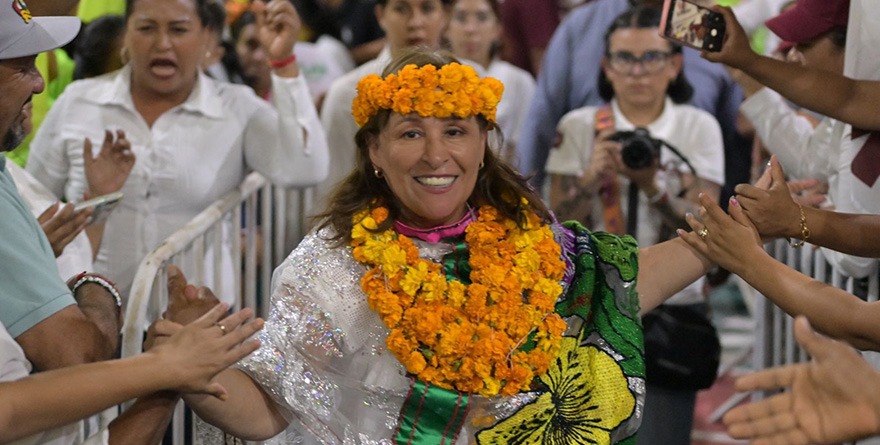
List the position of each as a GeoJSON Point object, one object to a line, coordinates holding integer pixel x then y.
{"type": "Point", "coordinates": [692, 25]}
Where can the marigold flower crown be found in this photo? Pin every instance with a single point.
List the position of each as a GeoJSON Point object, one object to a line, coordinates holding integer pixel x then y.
{"type": "Point", "coordinates": [452, 90]}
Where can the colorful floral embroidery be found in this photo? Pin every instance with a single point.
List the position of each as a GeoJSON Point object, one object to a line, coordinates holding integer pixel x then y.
{"type": "Point", "coordinates": [587, 397]}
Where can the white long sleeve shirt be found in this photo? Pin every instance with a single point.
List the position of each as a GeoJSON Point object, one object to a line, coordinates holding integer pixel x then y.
{"type": "Point", "coordinates": [824, 153]}
{"type": "Point", "coordinates": [192, 155]}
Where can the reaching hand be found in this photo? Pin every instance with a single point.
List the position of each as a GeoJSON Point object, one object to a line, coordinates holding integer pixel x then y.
{"type": "Point", "coordinates": [736, 50]}
{"type": "Point", "coordinates": [202, 349]}
{"type": "Point", "coordinates": [769, 204]}
{"type": "Point", "coordinates": [62, 226]}
{"type": "Point", "coordinates": [278, 27]}
{"type": "Point", "coordinates": [832, 399]}
{"type": "Point", "coordinates": [186, 303]}
{"type": "Point", "coordinates": [107, 172]}
{"type": "Point", "coordinates": [729, 241]}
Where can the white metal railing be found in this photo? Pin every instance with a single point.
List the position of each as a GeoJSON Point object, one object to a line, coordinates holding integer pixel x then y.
{"type": "Point", "coordinates": [775, 338]}
{"type": "Point", "coordinates": [219, 248]}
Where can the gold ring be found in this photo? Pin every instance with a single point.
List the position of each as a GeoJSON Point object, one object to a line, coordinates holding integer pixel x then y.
{"type": "Point", "coordinates": [222, 328]}
{"type": "Point", "coordinates": [703, 232]}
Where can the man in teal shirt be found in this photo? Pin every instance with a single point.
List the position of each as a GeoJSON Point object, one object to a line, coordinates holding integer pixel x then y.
{"type": "Point", "coordinates": [54, 327]}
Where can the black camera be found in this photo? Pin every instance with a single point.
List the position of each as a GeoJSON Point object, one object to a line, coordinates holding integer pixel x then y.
{"type": "Point", "coordinates": [639, 148]}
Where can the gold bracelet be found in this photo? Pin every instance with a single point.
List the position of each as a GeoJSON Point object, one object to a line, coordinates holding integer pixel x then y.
{"type": "Point", "coordinates": [805, 232]}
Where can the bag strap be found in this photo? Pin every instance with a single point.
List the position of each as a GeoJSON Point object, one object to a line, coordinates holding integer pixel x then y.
{"type": "Point", "coordinates": [609, 190]}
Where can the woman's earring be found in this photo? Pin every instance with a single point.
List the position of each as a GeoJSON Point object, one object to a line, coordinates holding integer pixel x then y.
{"type": "Point", "coordinates": [482, 164]}
{"type": "Point", "coordinates": [123, 55]}
{"type": "Point", "coordinates": [378, 173]}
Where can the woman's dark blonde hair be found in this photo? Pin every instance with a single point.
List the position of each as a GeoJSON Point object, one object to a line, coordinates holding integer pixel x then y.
{"type": "Point", "coordinates": [498, 184]}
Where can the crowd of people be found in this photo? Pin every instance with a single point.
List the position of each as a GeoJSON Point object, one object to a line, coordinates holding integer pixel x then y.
{"type": "Point", "coordinates": [474, 272]}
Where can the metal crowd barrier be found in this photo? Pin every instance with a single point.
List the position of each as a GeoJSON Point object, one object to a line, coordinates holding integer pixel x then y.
{"type": "Point", "coordinates": [228, 227]}
{"type": "Point", "coordinates": [775, 339]}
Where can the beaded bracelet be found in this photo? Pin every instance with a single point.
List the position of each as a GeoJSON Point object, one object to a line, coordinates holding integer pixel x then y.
{"type": "Point", "coordinates": [281, 63]}
{"type": "Point", "coordinates": [83, 278]}
{"type": "Point", "coordinates": [805, 232]}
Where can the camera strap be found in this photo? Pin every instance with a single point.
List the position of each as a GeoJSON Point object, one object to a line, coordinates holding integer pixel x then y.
{"type": "Point", "coordinates": [609, 190]}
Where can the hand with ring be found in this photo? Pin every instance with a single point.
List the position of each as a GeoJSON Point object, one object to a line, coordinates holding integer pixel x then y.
{"type": "Point", "coordinates": [734, 238]}
{"type": "Point", "coordinates": [222, 328]}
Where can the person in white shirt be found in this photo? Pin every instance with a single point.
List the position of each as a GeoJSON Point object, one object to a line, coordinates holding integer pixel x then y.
{"type": "Point", "coordinates": [407, 23]}
{"type": "Point", "coordinates": [195, 138]}
{"type": "Point", "coordinates": [641, 76]}
{"type": "Point", "coordinates": [474, 34]}
{"type": "Point", "coordinates": [827, 152]}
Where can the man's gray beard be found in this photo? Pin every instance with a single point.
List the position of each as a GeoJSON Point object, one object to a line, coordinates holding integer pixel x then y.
{"type": "Point", "coordinates": [13, 138]}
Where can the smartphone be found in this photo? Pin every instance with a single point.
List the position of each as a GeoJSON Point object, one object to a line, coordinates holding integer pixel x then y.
{"type": "Point", "coordinates": [692, 25]}
{"type": "Point", "coordinates": [103, 205]}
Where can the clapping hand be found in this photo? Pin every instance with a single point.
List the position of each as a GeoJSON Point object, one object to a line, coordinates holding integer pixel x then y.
{"type": "Point", "coordinates": [831, 399]}
{"type": "Point", "coordinates": [107, 172]}
{"type": "Point", "coordinates": [278, 26]}
{"type": "Point", "coordinates": [62, 226]}
{"type": "Point", "coordinates": [196, 353]}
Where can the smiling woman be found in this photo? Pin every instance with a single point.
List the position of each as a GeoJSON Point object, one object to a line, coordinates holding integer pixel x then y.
{"type": "Point", "coordinates": [194, 138]}
{"type": "Point", "coordinates": [439, 301]}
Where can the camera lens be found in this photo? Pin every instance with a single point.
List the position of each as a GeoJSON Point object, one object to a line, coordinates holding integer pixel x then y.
{"type": "Point", "coordinates": [638, 148]}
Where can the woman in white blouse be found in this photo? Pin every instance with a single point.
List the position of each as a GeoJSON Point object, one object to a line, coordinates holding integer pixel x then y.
{"type": "Point", "coordinates": [194, 138]}
{"type": "Point", "coordinates": [474, 34]}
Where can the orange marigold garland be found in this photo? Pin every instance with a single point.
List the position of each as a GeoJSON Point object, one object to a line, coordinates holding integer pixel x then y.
{"type": "Point", "coordinates": [451, 90]}
{"type": "Point", "coordinates": [467, 337]}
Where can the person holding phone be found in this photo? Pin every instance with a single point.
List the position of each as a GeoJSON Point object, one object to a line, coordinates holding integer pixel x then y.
{"type": "Point", "coordinates": [592, 179]}
{"type": "Point", "coordinates": [195, 138]}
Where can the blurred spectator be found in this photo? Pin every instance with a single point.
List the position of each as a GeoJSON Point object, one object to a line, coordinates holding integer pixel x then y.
{"type": "Point", "coordinates": [99, 47]}
{"type": "Point", "coordinates": [474, 34]}
{"type": "Point", "coordinates": [564, 85]}
{"type": "Point", "coordinates": [195, 138]}
{"type": "Point", "coordinates": [352, 22]}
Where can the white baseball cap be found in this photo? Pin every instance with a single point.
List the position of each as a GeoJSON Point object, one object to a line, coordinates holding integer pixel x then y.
{"type": "Point", "coordinates": [22, 35]}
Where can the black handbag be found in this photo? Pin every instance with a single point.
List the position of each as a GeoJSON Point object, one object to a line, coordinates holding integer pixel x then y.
{"type": "Point", "coordinates": [682, 350]}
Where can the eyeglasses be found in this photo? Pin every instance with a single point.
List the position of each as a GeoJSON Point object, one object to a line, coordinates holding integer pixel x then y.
{"type": "Point", "coordinates": [651, 61]}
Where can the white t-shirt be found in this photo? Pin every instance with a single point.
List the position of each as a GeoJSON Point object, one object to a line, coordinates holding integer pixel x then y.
{"type": "Point", "coordinates": [322, 62]}
{"type": "Point", "coordinates": [694, 132]}
{"type": "Point", "coordinates": [519, 87]}
{"type": "Point", "coordinates": [15, 366]}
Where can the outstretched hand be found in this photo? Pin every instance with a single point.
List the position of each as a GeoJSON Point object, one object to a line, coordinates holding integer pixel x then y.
{"type": "Point", "coordinates": [729, 240]}
{"type": "Point", "coordinates": [204, 348]}
{"type": "Point", "coordinates": [769, 203]}
{"type": "Point", "coordinates": [62, 226]}
{"type": "Point", "coordinates": [107, 172]}
{"type": "Point", "coordinates": [831, 399]}
{"type": "Point", "coordinates": [736, 50]}
{"type": "Point", "coordinates": [186, 302]}
{"type": "Point", "coordinates": [278, 26]}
